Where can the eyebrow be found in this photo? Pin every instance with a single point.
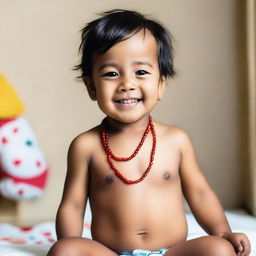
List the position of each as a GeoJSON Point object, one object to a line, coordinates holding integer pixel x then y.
{"type": "Point", "coordinates": [112, 64]}
{"type": "Point", "coordinates": [143, 63]}
{"type": "Point", "coordinates": [108, 64]}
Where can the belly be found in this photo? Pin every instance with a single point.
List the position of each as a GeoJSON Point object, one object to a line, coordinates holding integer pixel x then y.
{"type": "Point", "coordinates": [140, 227]}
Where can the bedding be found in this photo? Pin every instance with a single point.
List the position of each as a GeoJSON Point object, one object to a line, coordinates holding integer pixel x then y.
{"type": "Point", "coordinates": [36, 241]}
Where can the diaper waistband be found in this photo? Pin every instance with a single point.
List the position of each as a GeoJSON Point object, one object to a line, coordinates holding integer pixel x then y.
{"type": "Point", "coordinates": [139, 252]}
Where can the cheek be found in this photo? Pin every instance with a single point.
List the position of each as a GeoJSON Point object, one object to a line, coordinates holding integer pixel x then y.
{"type": "Point", "coordinates": [153, 90]}
{"type": "Point", "coordinates": [104, 91]}
{"type": "Point", "coordinates": [104, 96]}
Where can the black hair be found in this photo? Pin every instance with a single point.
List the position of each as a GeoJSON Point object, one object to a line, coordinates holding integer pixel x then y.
{"type": "Point", "coordinates": [118, 25]}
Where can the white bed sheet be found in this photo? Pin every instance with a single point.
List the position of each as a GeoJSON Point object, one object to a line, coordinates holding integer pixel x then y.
{"type": "Point", "coordinates": [37, 241]}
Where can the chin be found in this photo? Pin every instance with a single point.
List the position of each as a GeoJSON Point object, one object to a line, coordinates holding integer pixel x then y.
{"type": "Point", "coordinates": [129, 119]}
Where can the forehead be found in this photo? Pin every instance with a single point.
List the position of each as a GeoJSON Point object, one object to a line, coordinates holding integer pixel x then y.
{"type": "Point", "coordinates": [142, 46]}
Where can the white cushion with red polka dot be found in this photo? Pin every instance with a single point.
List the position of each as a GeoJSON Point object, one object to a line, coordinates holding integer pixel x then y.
{"type": "Point", "coordinates": [41, 234]}
{"type": "Point", "coordinates": [23, 170]}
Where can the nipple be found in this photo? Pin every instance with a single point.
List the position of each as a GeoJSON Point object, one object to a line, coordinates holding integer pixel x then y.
{"type": "Point", "coordinates": [166, 176]}
{"type": "Point", "coordinates": [109, 179]}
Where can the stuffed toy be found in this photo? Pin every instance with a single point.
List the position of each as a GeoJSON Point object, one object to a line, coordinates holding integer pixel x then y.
{"type": "Point", "coordinates": [23, 170]}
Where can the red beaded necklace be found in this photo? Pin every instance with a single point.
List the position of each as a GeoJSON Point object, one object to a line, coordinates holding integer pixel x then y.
{"type": "Point", "coordinates": [110, 155]}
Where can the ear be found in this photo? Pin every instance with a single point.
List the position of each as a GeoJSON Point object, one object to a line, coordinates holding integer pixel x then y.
{"type": "Point", "coordinates": [90, 87]}
{"type": "Point", "coordinates": [161, 87]}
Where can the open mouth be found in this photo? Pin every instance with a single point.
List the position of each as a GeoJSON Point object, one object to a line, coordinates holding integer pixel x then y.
{"type": "Point", "coordinates": [128, 101]}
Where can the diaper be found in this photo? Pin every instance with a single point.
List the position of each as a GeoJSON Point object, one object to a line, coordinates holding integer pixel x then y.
{"type": "Point", "coordinates": [139, 252]}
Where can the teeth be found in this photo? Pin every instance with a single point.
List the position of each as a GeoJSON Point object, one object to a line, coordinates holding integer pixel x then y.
{"type": "Point", "coordinates": [128, 101]}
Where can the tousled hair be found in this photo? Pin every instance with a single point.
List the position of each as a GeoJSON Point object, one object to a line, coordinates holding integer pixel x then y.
{"type": "Point", "coordinates": [117, 25]}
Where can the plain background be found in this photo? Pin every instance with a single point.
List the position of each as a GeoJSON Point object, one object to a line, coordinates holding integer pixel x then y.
{"type": "Point", "coordinates": [39, 43]}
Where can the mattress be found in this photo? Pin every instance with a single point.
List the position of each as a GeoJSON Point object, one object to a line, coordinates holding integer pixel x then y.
{"type": "Point", "coordinates": [36, 240]}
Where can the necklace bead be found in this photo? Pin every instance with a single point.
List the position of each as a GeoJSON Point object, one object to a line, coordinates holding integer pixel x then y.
{"type": "Point", "coordinates": [110, 155]}
{"type": "Point", "coordinates": [105, 139]}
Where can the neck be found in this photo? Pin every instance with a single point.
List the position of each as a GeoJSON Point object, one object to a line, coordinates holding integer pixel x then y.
{"type": "Point", "coordinates": [117, 126]}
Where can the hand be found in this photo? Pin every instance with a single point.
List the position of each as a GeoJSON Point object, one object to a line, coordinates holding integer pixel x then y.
{"type": "Point", "coordinates": [240, 243]}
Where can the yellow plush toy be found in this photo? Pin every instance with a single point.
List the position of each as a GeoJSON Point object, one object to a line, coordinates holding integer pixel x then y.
{"type": "Point", "coordinates": [23, 170]}
{"type": "Point", "coordinates": [10, 103]}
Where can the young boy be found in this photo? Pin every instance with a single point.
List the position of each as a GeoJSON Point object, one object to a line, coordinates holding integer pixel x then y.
{"type": "Point", "coordinates": [134, 170]}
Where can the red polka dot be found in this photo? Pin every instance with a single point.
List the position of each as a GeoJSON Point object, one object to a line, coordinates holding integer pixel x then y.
{"type": "Point", "coordinates": [5, 140]}
{"type": "Point", "coordinates": [21, 192]}
{"type": "Point", "coordinates": [47, 233]}
{"type": "Point", "coordinates": [87, 225]}
{"type": "Point", "coordinates": [15, 130]}
{"type": "Point", "coordinates": [25, 229]}
{"type": "Point", "coordinates": [18, 241]}
{"type": "Point", "coordinates": [6, 238]}
{"type": "Point", "coordinates": [38, 164]}
{"type": "Point", "coordinates": [17, 162]}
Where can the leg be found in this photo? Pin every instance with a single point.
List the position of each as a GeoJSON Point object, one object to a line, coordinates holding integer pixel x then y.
{"type": "Point", "coordinates": [79, 247]}
{"type": "Point", "coordinates": [203, 246]}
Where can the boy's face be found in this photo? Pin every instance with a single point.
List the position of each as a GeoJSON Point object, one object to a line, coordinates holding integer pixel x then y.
{"type": "Point", "coordinates": [125, 80]}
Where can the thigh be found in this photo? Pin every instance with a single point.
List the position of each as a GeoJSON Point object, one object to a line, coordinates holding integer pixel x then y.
{"type": "Point", "coordinates": [203, 246]}
{"type": "Point", "coordinates": [79, 247]}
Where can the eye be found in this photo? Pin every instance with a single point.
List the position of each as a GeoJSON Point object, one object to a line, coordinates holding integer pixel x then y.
{"type": "Point", "coordinates": [141, 73]}
{"type": "Point", "coordinates": [110, 74]}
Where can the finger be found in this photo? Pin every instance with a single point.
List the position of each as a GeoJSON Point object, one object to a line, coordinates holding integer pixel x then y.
{"type": "Point", "coordinates": [238, 246]}
{"type": "Point", "coordinates": [241, 253]}
{"type": "Point", "coordinates": [246, 246]}
{"type": "Point", "coordinates": [245, 252]}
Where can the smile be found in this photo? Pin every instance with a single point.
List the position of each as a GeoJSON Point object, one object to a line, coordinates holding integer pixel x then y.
{"type": "Point", "coordinates": [128, 101]}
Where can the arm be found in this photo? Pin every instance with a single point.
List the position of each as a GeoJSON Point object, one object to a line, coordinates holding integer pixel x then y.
{"type": "Point", "coordinates": [69, 221]}
{"type": "Point", "coordinates": [202, 200]}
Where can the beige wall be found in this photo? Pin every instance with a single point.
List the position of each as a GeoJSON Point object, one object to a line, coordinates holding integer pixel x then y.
{"type": "Point", "coordinates": [251, 71]}
{"type": "Point", "coordinates": [39, 42]}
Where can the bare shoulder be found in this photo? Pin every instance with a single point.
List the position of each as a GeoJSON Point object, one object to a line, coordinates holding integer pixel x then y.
{"type": "Point", "coordinates": [173, 134]}
{"type": "Point", "coordinates": [86, 142]}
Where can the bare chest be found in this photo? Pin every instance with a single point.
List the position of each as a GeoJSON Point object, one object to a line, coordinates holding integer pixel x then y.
{"type": "Point", "coordinates": [163, 172]}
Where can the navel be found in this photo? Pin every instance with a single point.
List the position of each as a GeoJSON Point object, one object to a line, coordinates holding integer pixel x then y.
{"type": "Point", "coordinates": [142, 233]}
{"type": "Point", "coordinates": [109, 179]}
{"type": "Point", "coordinates": [166, 175]}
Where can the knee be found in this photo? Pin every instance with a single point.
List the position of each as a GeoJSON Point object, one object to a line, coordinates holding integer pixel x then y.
{"type": "Point", "coordinates": [63, 247]}
{"type": "Point", "coordinates": [220, 247]}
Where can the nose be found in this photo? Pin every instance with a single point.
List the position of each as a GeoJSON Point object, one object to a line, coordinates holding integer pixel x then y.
{"type": "Point", "coordinates": [127, 84]}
